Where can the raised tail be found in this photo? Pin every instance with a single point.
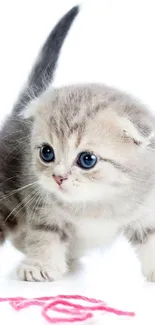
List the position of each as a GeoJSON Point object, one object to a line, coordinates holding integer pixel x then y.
{"type": "Point", "coordinates": [43, 70]}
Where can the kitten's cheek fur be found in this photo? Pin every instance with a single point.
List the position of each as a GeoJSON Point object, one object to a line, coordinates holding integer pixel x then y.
{"type": "Point", "coordinates": [48, 184]}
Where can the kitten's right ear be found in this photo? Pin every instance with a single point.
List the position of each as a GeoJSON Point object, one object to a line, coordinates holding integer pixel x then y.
{"type": "Point", "coordinates": [131, 131]}
{"type": "Point", "coordinates": [42, 73]}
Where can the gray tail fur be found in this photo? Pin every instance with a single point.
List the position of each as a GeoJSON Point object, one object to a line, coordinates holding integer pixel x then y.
{"type": "Point", "coordinates": [43, 70]}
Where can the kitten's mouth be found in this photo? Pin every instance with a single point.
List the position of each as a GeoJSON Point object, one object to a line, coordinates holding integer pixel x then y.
{"type": "Point", "coordinates": [61, 188]}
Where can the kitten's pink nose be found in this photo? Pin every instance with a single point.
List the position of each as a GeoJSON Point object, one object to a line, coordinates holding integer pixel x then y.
{"type": "Point", "coordinates": [59, 179]}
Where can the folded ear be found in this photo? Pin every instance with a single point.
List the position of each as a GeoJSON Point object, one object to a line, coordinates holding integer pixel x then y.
{"type": "Point", "coordinates": [140, 134]}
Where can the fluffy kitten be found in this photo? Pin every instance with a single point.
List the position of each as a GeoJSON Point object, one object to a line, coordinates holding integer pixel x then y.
{"type": "Point", "coordinates": [76, 169]}
{"type": "Point", "coordinates": [82, 171]}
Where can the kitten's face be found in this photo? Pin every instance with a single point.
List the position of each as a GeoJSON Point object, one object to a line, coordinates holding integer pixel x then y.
{"type": "Point", "coordinates": [83, 152]}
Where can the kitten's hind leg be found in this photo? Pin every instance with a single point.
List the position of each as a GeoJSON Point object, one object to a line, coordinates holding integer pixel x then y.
{"type": "Point", "coordinates": [146, 252]}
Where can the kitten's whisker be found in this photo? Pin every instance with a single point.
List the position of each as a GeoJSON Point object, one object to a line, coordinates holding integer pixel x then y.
{"type": "Point", "coordinates": [19, 145]}
{"type": "Point", "coordinates": [18, 206]}
{"type": "Point", "coordinates": [21, 120]}
{"type": "Point", "coordinates": [14, 177]}
{"type": "Point", "coordinates": [28, 200]}
{"type": "Point", "coordinates": [36, 206]}
{"type": "Point", "coordinates": [12, 133]}
{"type": "Point", "coordinates": [14, 149]}
{"type": "Point", "coordinates": [17, 191]}
{"type": "Point", "coordinates": [46, 201]}
{"type": "Point", "coordinates": [29, 203]}
{"type": "Point", "coordinates": [6, 180]}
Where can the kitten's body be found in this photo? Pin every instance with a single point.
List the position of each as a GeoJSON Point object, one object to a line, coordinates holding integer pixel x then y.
{"type": "Point", "coordinates": [56, 224]}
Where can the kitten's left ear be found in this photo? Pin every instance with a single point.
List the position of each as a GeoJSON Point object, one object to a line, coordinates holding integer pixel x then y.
{"type": "Point", "coordinates": [133, 132]}
{"type": "Point", "coordinates": [31, 109]}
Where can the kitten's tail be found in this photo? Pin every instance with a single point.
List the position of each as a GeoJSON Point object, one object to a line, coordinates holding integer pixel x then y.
{"type": "Point", "coordinates": [43, 70]}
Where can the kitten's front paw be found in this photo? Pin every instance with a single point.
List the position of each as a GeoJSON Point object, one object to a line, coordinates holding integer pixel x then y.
{"type": "Point", "coordinates": [39, 271]}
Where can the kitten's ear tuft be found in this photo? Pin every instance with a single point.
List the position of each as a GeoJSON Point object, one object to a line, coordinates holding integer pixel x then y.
{"type": "Point", "coordinates": [131, 131]}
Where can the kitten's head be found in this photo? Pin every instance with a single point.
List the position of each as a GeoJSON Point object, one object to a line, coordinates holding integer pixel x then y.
{"type": "Point", "coordinates": [90, 143]}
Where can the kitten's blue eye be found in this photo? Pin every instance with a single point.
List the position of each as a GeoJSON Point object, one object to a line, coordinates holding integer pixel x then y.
{"type": "Point", "coordinates": [86, 160]}
{"type": "Point", "coordinates": [47, 153]}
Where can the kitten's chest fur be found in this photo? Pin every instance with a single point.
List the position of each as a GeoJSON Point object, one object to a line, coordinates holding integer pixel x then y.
{"type": "Point", "coordinates": [97, 225]}
{"type": "Point", "coordinates": [92, 226]}
{"type": "Point", "coordinates": [92, 233]}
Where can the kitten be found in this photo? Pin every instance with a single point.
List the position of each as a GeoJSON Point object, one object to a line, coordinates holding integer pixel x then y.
{"type": "Point", "coordinates": [77, 170]}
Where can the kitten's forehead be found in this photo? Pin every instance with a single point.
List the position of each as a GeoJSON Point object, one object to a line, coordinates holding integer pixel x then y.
{"type": "Point", "coordinates": [71, 109]}
{"type": "Point", "coordinates": [94, 110]}
{"type": "Point", "coordinates": [86, 134]}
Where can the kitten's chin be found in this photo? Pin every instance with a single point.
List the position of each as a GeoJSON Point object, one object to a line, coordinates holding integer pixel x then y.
{"type": "Point", "coordinates": [75, 196]}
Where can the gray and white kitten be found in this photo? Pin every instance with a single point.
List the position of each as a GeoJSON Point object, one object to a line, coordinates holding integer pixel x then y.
{"type": "Point", "coordinates": [76, 169]}
{"type": "Point", "coordinates": [80, 172]}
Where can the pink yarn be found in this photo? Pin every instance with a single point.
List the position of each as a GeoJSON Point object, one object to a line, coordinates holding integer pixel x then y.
{"type": "Point", "coordinates": [62, 304]}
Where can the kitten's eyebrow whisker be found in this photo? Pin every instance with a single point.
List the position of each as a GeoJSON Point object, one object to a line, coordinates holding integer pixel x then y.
{"type": "Point", "coordinates": [23, 138]}
{"type": "Point", "coordinates": [14, 149]}
{"type": "Point", "coordinates": [16, 141]}
{"type": "Point", "coordinates": [8, 135]}
{"type": "Point", "coordinates": [18, 145]}
{"type": "Point", "coordinates": [21, 121]}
